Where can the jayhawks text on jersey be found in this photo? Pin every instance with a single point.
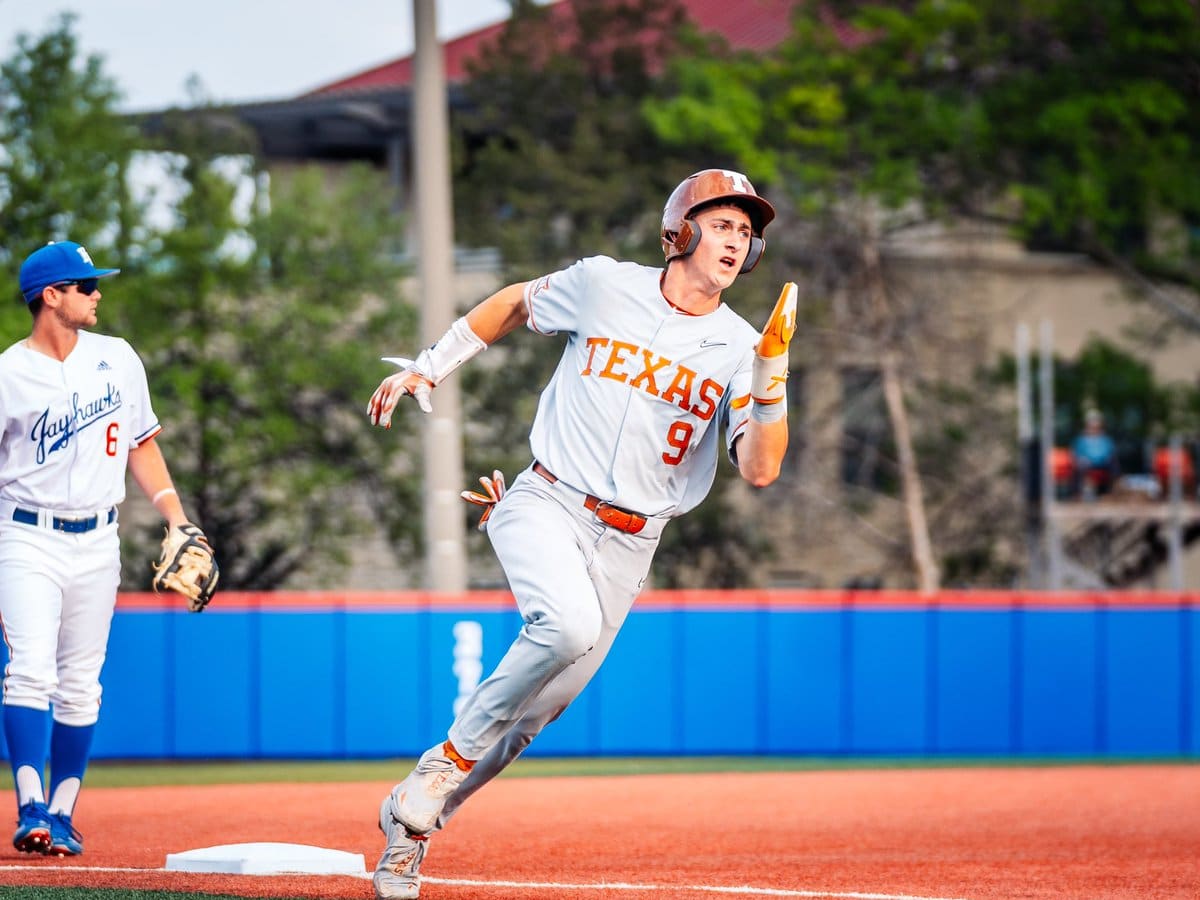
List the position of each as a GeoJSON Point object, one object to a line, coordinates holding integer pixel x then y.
{"type": "Point", "coordinates": [67, 433]}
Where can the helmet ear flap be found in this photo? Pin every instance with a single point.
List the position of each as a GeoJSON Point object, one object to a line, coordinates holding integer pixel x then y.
{"type": "Point", "coordinates": [683, 241]}
{"type": "Point", "coordinates": [757, 246]}
{"type": "Point", "coordinates": [686, 240]}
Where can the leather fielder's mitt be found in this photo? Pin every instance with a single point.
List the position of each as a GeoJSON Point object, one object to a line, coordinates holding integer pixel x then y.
{"type": "Point", "coordinates": [187, 566]}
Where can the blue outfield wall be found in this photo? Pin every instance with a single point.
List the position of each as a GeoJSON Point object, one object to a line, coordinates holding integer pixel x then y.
{"type": "Point", "coordinates": [376, 675]}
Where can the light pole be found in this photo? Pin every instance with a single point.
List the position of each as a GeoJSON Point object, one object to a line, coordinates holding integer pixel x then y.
{"type": "Point", "coordinates": [445, 552]}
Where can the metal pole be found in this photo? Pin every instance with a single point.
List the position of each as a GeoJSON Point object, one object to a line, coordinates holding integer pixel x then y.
{"type": "Point", "coordinates": [445, 553]}
{"type": "Point", "coordinates": [1024, 403]}
{"type": "Point", "coordinates": [1027, 448]}
{"type": "Point", "coordinates": [1053, 547]}
{"type": "Point", "coordinates": [1175, 528]}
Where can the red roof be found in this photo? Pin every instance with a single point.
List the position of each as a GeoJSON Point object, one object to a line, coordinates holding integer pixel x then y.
{"type": "Point", "coordinates": [747, 25]}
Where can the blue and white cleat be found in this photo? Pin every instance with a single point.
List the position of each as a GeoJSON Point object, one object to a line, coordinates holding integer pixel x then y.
{"type": "Point", "coordinates": [64, 839]}
{"type": "Point", "coordinates": [33, 828]}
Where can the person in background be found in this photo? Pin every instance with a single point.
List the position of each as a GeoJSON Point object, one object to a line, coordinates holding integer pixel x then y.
{"type": "Point", "coordinates": [1095, 457]}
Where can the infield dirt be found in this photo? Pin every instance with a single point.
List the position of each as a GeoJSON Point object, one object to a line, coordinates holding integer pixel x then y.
{"type": "Point", "coordinates": [1129, 832]}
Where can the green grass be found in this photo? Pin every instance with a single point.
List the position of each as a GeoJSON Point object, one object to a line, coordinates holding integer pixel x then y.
{"type": "Point", "coordinates": [53, 893]}
{"type": "Point", "coordinates": [106, 773]}
{"type": "Point", "coordinates": [60, 893]}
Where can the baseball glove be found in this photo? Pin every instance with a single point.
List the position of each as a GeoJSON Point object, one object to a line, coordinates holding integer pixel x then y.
{"type": "Point", "coordinates": [187, 566]}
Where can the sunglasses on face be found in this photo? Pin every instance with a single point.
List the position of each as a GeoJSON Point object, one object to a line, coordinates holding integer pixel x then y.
{"type": "Point", "coordinates": [85, 285]}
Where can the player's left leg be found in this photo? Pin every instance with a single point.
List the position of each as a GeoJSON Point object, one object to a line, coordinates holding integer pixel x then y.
{"type": "Point", "coordinates": [549, 705]}
{"type": "Point", "coordinates": [397, 877]}
{"type": "Point", "coordinates": [570, 576]}
{"type": "Point", "coordinates": [88, 605]}
{"type": "Point", "coordinates": [398, 873]}
{"type": "Point", "coordinates": [545, 549]}
{"type": "Point", "coordinates": [618, 570]}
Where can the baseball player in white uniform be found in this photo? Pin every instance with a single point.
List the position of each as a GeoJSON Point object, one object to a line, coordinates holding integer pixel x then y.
{"type": "Point", "coordinates": [74, 412]}
{"type": "Point", "coordinates": [657, 374]}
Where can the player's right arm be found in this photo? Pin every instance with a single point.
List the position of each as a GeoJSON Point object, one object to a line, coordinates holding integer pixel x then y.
{"type": "Point", "coordinates": [760, 451]}
{"type": "Point", "coordinates": [765, 439]}
{"type": "Point", "coordinates": [500, 314]}
{"type": "Point", "coordinates": [759, 448]}
{"type": "Point", "coordinates": [489, 321]}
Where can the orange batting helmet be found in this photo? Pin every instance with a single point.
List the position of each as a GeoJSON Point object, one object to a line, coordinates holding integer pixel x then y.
{"type": "Point", "coordinates": [711, 187]}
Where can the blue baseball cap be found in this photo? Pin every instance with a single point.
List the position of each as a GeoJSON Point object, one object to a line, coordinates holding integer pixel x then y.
{"type": "Point", "coordinates": [55, 263]}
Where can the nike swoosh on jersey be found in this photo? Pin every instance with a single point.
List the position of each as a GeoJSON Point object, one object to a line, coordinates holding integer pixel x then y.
{"type": "Point", "coordinates": [709, 342]}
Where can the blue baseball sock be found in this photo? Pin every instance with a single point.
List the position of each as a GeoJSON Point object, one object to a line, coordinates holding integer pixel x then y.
{"type": "Point", "coordinates": [70, 746]}
{"type": "Point", "coordinates": [25, 731]}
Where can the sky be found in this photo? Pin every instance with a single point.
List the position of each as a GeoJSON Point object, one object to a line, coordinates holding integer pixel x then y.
{"type": "Point", "coordinates": [241, 50]}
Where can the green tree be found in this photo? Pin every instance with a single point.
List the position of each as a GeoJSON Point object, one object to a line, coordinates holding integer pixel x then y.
{"type": "Point", "coordinates": [1096, 132]}
{"type": "Point", "coordinates": [262, 348]}
{"type": "Point", "coordinates": [259, 306]}
{"type": "Point", "coordinates": [553, 163]}
{"type": "Point", "coordinates": [64, 156]}
{"type": "Point", "coordinates": [1070, 122]}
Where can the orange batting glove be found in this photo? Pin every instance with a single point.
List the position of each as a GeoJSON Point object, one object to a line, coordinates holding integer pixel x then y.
{"type": "Point", "coordinates": [493, 490]}
{"type": "Point", "coordinates": [768, 386]}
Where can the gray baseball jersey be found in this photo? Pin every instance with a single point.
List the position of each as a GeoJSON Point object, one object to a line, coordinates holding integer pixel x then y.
{"type": "Point", "coordinates": [635, 408]}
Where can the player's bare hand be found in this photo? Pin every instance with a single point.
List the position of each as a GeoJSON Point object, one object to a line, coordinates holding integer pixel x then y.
{"type": "Point", "coordinates": [406, 383]}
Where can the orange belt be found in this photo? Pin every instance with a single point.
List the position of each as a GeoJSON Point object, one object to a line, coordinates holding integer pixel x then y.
{"type": "Point", "coordinates": [612, 516]}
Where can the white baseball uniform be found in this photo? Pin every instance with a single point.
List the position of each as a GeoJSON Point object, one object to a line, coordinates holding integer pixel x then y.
{"type": "Point", "coordinates": [634, 415]}
{"type": "Point", "coordinates": [66, 429]}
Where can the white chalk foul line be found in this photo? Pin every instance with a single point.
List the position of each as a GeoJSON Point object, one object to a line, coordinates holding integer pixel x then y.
{"type": "Point", "coordinates": [745, 890]}
{"type": "Point", "coordinates": [700, 888]}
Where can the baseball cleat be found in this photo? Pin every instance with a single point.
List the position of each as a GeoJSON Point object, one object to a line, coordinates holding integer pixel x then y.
{"type": "Point", "coordinates": [418, 800]}
{"type": "Point", "coordinates": [64, 839]}
{"type": "Point", "coordinates": [33, 828]}
{"type": "Point", "coordinates": [397, 877]}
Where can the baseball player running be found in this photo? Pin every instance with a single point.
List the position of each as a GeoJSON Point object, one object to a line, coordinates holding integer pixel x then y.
{"type": "Point", "coordinates": [74, 413]}
{"type": "Point", "coordinates": [657, 372]}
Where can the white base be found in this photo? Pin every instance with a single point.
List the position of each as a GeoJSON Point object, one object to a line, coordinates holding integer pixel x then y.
{"type": "Point", "coordinates": [267, 859]}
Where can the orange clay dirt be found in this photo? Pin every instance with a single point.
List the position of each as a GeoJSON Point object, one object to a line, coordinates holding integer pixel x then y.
{"type": "Point", "coordinates": [1070, 833]}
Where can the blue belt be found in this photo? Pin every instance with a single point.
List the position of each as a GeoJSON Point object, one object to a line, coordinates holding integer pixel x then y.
{"type": "Point", "coordinates": [70, 526]}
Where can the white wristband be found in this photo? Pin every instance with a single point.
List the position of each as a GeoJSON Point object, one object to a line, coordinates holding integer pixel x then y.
{"type": "Point", "coordinates": [766, 413]}
{"type": "Point", "coordinates": [450, 351]}
{"type": "Point", "coordinates": [154, 500]}
{"type": "Point", "coordinates": [768, 382]}
{"type": "Point", "coordinates": [768, 388]}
